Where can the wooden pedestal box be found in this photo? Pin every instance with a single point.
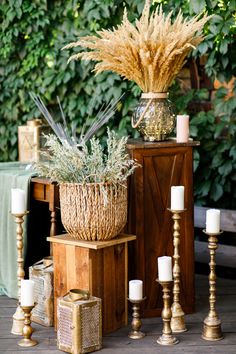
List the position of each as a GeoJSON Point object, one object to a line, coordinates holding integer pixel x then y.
{"type": "Point", "coordinates": [164, 164]}
{"type": "Point", "coordinates": [101, 267]}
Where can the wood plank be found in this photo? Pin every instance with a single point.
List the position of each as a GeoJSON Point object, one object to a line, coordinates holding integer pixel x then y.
{"type": "Point", "coordinates": [66, 239]}
{"type": "Point", "coordinates": [7, 302]}
{"type": "Point", "coordinates": [81, 268]}
{"type": "Point", "coordinates": [59, 279]}
{"type": "Point", "coordinates": [225, 255]}
{"type": "Point", "coordinates": [169, 143]}
{"type": "Point", "coordinates": [119, 343]}
{"type": "Point", "coordinates": [228, 218]}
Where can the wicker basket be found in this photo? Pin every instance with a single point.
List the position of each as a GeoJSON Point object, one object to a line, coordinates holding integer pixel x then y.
{"type": "Point", "coordinates": [93, 211]}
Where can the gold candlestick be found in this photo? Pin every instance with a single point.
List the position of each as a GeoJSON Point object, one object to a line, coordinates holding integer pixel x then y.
{"type": "Point", "coordinates": [18, 317]}
{"type": "Point", "coordinates": [27, 329]}
{"type": "Point", "coordinates": [166, 338]}
{"type": "Point", "coordinates": [136, 320]}
{"type": "Point", "coordinates": [212, 323]}
{"type": "Point", "coordinates": [177, 320]}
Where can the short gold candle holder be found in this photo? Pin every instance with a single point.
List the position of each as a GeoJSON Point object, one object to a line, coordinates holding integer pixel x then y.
{"type": "Point", "coordinates": [136, 320]}
{"type": "Point", "coordinates": [166, 338]}
{"type": "Point", "coordinates": [212, 323]}
{"type": "Point", "coordinates": [177, 319]}
{"type": "Point", "coordinates": [18, 317]}
{"type": "Point", "coordinates": [27, 329]}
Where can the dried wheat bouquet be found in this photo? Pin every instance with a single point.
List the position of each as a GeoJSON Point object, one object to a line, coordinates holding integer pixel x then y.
{"type": "Point", "coordinates": [151, 52]}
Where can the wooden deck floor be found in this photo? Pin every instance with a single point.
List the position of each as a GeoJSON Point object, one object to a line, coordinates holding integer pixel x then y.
{"type": "Point", "coordinates": [118, 342]}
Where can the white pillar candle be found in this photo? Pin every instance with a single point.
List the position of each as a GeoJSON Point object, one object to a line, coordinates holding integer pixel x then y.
{"type": "Point", "coordinates": [18, 201]}
{"type": "Point", "coordinates": [27, 292]}
{"type": "Point", "coordinates": [177, 198]}
{"type": "Point", "coordinates": [135, 289]}
{"type": "Point", "coordinates": [165, 268]}
{"type": "Point", "coordinates": [182, 128]}
{"type": "Point", "coordinates": [213, 221]}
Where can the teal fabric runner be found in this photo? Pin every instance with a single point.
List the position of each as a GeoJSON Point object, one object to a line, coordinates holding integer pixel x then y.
{"type": "Point", "coordinates": [12, 175]}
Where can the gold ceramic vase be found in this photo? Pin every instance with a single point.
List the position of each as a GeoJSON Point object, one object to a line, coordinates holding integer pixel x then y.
{"type": "Point", "coordinates": [154, 116]}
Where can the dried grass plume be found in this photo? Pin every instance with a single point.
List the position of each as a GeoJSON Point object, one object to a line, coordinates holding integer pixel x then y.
{"type": "Point", "coordinates": [151, 52]}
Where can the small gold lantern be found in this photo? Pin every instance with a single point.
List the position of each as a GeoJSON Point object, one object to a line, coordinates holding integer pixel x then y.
{"type": "Point", "coordinates": [79, 322]}
{"type": "Point", "coordinates": [42, 274]}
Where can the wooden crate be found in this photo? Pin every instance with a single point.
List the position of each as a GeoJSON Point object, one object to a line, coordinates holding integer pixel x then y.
{"type": "Point", "coordinates": [164, 164]}
{"type": "Point", "coordinates": [98, 266]}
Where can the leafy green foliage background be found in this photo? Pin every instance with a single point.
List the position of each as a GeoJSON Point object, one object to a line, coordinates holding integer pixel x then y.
{"type": "Point", "coordinates": [31, 37]}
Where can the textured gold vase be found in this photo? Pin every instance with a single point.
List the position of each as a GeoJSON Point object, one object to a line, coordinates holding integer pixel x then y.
{"type": "Point", "coordinates": [154, 116]}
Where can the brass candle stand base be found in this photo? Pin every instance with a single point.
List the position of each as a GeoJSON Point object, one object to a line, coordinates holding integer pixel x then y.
{"type": "Point", "coordinates": [18, 321]}
{"type": "Point", "coordinates": [27, 329]}
{"type": "Point", "coordinates": [136, 320]}
{"type": "Point", "coordinates": [18, 317]}
{"type": "Point", "coordinates": [212, 329]}
{"type": "Point", "coordinates": [177, 320]}
{"type": "Point", "coordinates": [212, 323]}
{"type": "Point", "coordinates": [166, 338]}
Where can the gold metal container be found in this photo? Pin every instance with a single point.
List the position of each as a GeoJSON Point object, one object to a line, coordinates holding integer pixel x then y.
{"type": "Point", "coordinates": [154, 116]}
{"type": "Point", "coordinates": [79, 327]}
{"type": "Point", "coordinates": [42, 274]}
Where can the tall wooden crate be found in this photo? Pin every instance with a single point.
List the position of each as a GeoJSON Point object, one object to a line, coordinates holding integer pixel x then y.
{"type": "Point", "coordinates": [163, 164]}
{"type": "Point", "coordinates": [101, 267]}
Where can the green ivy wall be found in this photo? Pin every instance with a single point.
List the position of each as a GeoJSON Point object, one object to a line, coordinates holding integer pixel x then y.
{"type": "Point", "coordinates": [31, 37]}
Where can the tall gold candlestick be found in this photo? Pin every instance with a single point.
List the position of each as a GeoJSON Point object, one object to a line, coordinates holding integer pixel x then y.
{"type": "Point", "coordinates": [177, 320]}
{"type": "Point", "coordinates": [212, 323]}
{"type": "Point", "coordinates": [27, 329]}
{"type": "Point", "coordinates": [136, 323]}
{"type": "Point", "coordinates": [18, 317]}
{"type": "Point", "coordinates": [166, 338]}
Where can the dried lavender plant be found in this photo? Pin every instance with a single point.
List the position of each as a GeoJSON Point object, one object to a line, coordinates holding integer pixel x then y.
{"type": "Point", "coordinates": [87, 163]}
{"type": "Point", "coordinates": [151, 52]}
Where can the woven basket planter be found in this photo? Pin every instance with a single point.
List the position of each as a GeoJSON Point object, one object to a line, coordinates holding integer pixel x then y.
{"type": "Point", "coordinates": [93, 211]}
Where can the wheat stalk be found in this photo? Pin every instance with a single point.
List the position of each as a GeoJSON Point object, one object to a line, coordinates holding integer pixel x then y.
{"type": "Point", "coordinates": [150, 52]}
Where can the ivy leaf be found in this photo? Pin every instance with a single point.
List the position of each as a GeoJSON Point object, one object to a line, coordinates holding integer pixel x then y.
{"type": "Point", "coordinates": [223, 47]}
{"type": "Point", "coordinates": [216, 192]}
{"type": "Point", "coordinates": [225, 169]}
{"type": "Point", "coordinates": [232, 152]}
{"type": "Point", "coordinates": [204, 188]}
{"type": "Point", "coordinates": [217, 160]}
{"type": "Point", "coordinates": [197, 6]}
{"type": "Point", "coordinates": [219, 128]}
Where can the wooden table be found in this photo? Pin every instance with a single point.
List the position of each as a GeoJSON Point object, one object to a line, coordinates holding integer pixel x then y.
{"type": "Point", "coordinates": [43, 190]}
{"type": "Point", "coordinates": [163, 164]}
{"type": "Point", "coordinates": [98, 266]}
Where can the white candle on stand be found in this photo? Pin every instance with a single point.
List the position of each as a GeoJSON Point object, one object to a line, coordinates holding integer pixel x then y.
{"type": "Point", "coordinates": [213, 221]}
{"type": "Point", "coordinates": [18, 201]}
{"type": "Point", "coordinates": [27, 292]}
{"type": "Point", "coordinates": [135, 289]}
{"type": "Point", "coordinates": [177, 198]}
{"type": "Point", "coordinates": [165, 268]}
{"type": "Point", "coordinates": [182, 128]}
